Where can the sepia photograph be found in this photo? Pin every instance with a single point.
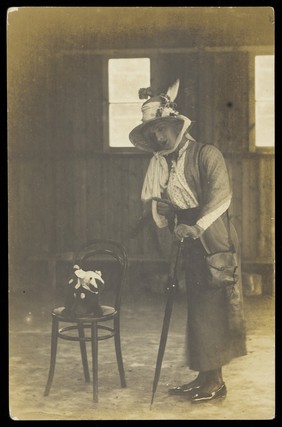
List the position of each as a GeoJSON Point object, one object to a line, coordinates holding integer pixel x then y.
{"type": "Point", "coordinates": [141, 213]}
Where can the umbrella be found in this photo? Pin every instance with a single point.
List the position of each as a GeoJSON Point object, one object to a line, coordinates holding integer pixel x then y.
{"type": "Point", "coordinates": [167, 315]}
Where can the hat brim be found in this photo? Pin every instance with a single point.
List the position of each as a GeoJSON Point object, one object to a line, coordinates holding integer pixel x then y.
{"type": "Point", "coordinates": [138, 139]}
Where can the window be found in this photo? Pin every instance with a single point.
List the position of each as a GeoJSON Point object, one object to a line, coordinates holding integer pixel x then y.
{"type": "Point", "coordinates": [264, 101]}
{"type": "Point", "coordinates": [125, 77]}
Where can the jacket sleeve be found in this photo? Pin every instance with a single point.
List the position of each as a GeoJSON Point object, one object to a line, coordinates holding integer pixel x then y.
{"type": "Point", "coordinates": [214, 180]}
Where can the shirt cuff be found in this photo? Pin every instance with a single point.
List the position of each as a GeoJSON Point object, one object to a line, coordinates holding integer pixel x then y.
{"type": "Point", "coordinates": [208, 219]}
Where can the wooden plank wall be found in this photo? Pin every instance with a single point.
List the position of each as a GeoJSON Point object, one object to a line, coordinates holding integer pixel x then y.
{"type": "Point", "coordinates": [64, 189]}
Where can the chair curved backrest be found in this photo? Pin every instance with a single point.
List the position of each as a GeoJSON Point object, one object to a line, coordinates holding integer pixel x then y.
{"type": "Point", "coordinates": [98, 253]}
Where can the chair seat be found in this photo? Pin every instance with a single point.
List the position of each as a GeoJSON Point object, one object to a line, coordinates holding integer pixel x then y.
{"type": "Point", "coordinates": [108, 313]}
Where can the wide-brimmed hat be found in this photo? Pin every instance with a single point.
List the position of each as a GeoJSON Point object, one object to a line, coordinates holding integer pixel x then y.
{"type": "Point", "coordinates": [157, 108]}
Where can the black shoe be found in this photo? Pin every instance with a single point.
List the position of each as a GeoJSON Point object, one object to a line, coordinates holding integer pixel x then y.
{"type": "Point", "coordinates": [203, 396]}
{"type": "Point", "coordinates": [184, 389]}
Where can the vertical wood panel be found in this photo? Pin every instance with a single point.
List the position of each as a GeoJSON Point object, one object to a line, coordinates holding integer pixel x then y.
{"type": "Point", "coordinates": [80, 215]}
{"type": "Point", "coordinates": [250, 214]}
{"type": "Point", "coordinates": [234, 166]}
{"type": "Point", "coordinates": [134, 201]}
{"type": "Point", "coordinates": [64, 202]}
{"type": "Point", "coordinates": [117, 197]}
{"type": "Point", "coordinates": [266, 210]}
{"type": "Point", "coordinates": [206, 99]}
{"type": "Point", "coordinates": [144, 232]}
{"type": "Point", "coordinates": [230, 89]}
{"type": "Point", "coordinates": [94, 198]}
{"type": "Point", "coordinates": [124, 195]}
{"type": "Point", "coordinates": [189, 88]}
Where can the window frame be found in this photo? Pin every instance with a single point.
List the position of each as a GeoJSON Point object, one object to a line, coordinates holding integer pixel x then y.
{"type": "Point", "coordinates": [253, 148]}
{"type": "Point", "coordinates": [106, 131]}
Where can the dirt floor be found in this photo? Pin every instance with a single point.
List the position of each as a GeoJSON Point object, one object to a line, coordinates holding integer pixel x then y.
{"type": "Point", "coordinates": [250, 379]}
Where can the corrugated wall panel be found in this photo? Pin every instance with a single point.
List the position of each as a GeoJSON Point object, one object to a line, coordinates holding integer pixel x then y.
{"type": "Point", "coordinates": [266, 209]}
{"type": "Point", "coordinates": [234, 166]}
{"type": "Point", "coordinates": [250, 213]}
{"type": "Point", "coordinates": [66, 190]}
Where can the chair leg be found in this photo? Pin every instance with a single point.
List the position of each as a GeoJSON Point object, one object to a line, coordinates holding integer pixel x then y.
{"type": "Point", "coordinates": [94, 345]}
{"type": "Point", "coordinates": [83, 353]}
{"type": "Point", "coordinates": [54, 342]}
{"type": "Point", "coordinates": [118, 353]}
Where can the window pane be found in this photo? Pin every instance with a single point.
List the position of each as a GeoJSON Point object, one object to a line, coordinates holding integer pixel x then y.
{"type": "Point", "coordinates": [264, 78]}
{"type": "Point", "coordinates": [264, 124]}
{"type": "Point", "coordinates": [264, 100]}
{"type": "Point", "coordinates": [123, 118]}
{"type": "Point", "coordinates": [126, 77]}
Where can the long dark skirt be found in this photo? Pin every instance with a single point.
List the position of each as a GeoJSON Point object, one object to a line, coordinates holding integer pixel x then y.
{"type": "Point", "coordinates": [210, 343]}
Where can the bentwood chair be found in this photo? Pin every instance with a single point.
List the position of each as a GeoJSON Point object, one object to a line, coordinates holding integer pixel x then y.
{"type": "Point", "coordinates": [110, 258]}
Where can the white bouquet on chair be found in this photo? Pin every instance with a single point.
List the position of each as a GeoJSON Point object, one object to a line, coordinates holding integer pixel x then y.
{"type": "Point", "coordinates": [82, 293]}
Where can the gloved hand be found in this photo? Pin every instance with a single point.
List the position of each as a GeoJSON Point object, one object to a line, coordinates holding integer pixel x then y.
{"type": "Point", "coordinates": [183, 231]}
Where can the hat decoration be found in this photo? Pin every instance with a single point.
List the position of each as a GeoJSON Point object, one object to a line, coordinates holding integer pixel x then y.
{"type": "Point", "coordinates": [160, 107]}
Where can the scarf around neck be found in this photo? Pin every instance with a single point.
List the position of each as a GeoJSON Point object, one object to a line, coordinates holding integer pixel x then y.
{"type": "Point", "coordinates": [156, 178]}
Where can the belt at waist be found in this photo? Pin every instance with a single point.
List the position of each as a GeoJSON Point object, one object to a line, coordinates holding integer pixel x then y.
{"type": "Point", "coordinates": [188, 216]}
